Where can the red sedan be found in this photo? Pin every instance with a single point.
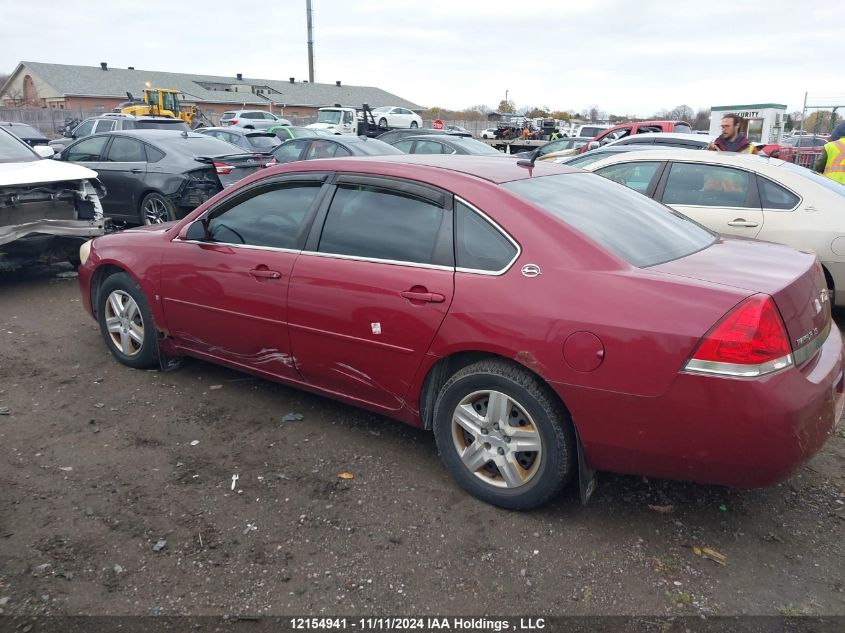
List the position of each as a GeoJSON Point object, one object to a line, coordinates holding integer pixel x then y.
{"type": "Point", "coordinates": [542, 321]}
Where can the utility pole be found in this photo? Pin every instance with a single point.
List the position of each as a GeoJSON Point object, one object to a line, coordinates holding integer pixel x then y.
{"type": "Point", "coordinates": [804, 113]}
{"type": "Point", "coordinates": [308, 12]}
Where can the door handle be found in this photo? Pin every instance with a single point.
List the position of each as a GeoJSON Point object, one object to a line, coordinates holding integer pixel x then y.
{"type": "Point", "coordinates": [428, 297]}
{"type": "Point", "coordinates": [135, 170]}
{"type": "Point", "coordinates": [742, 222]}
{"type": "Point", "coordinates": [263, 273]}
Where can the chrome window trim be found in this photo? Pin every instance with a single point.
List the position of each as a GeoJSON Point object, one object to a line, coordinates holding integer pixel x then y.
{"type": "Point", "coordinates": [251, 247]}
{"type": "Point", "coordinates": [375, 260]}
{"type": "Point", "coordinates": [495, 225]}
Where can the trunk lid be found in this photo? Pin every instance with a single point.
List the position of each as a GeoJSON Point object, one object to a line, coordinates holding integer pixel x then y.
{"type": "Point", "coordinates": [794, 279]}
{"type": "Point", "coordinates": [230, 168]}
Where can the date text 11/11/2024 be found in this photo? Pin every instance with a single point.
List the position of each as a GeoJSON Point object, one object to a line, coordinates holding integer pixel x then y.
{"type": "Point", "coordinates": [388, 623]}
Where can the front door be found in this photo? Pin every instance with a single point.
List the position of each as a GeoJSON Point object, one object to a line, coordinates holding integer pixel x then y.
{"type": "Point", "coordinates": [721, 198]}
{"type": "Point", "coordinates": [225, 297]}
{"type": "Point", "coordinates": [368, 296]}
{"type": "Point", "coordinates": [123, 170]}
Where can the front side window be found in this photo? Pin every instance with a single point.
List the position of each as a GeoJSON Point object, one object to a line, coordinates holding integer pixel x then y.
{"type": "Point", "coordinates": [404, 146]}
{"type": "Point", "coordinates": [636, 175]}
{"type": "Point", "coordinates": [377, 223]}
{"type": "Point", "coordinates": [478, 244]}
{"type": "Point", "coordinates": [273, 218]}
{"type": "Point", "coordinates": [323, 149]}
{"type": "Point", "coordinates": [88, 150]}
{"type": "Point", "coordinates": [706, 185]}
{"type": "Point", "coordinates": [626, 223]}
{"type": "Point", "coordinates": [126, 150]}
{"type": "Point", "coordinates": [773, 196]}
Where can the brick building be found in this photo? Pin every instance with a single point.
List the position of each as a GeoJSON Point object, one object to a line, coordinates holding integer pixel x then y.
{"type": "Point", "coordinates": [66, 87]}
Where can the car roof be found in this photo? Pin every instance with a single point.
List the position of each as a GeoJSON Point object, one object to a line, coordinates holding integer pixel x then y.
{"type": "Point", "coordinates": [715, 158]}
{"type": "Point", "coordinates": [240, 130]}
{"type": "Point", "coordinates": [678, 135]}
{"type": "Point", "coordinates": [491, 168]}
{"type": "Point", "coordinates": [152, 135]}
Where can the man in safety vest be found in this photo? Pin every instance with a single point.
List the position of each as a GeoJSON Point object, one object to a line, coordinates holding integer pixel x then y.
{"type": "Point", "coordinates": [832, 161]}
{"type": "Point", "coordinates": [731, 140]}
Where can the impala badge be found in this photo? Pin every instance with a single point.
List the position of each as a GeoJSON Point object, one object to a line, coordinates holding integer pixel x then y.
{"type": "Point", "coordinates": [531, 270]}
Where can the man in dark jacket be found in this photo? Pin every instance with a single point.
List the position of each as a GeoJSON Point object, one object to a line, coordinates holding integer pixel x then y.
{"type": "Point", "coordinates": [731, 139]}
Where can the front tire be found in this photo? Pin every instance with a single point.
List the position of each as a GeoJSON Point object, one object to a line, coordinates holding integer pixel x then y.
{"type": "Point", "coordinates": [126, 322]}
{"type": "Point", "coordinates": [503, 435]}
{"type": "Point", "coordinates": [382, 123]}
{"type": "Point", "coordinates": [156, 208]}
{"type": "Point", "coordinates": [414, 125]}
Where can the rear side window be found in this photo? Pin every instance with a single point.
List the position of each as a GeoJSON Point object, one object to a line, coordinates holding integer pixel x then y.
{"type": "Point", "coordinates": [381, 224]}
{"type": "Point", "coordinates": [628, 224]}
{"type": "Point", "coordinates": [289, 152]}
{"type": "Point", "coordinates": [431, 147]}
{"type": "Point", "coordinates": [126, 150]}
{"type": "Point", "coordinates": [88, 150]}
{"type": "Point", "coordinates": [264, 142]}
{"type": "Point", "coordinates": [325, 149]}
{"type": "Point", "coordinates": [478, 244]}
{"type": "Point", "coordinates": [153, 155]}
{"type": "Point", "coordinates": [707, 186]}
{"type": "Point", "coordinates": [104, 125]}
{"type": "Point", "coordinates": [773, 196]}
{"type": "Point", "coordinates": [272, 218]}
{"type": "Point", "coordinates": [404, 146]}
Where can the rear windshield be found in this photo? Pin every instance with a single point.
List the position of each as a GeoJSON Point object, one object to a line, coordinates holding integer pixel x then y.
{"type": "Point", "coordinates": [630, 225]}
{"type": "Point", "coordinates": [264, 141]}
{"type": "Point", "coordinates": [21, 129]}
{"type": "Point", "coordinates": [175, 124]}
{"type": "Point", "coordinates": [683, 128]}
{"type": "Point", "coordinates": [200, 146]}
{"type": "Point", "coordinates": [816, 177]}
{"type": "Point", "coordinates": [591, 131]}
{"type": "Point", "coordinates": [374, 147]}
{"type": "Point", "coordinates": [13, 150]}
{"type": "Point", "coordinates": [227, 115]}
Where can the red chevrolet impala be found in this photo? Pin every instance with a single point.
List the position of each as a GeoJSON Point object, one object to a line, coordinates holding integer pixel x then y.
{"type": "Point", "coordinates": [543, 322]}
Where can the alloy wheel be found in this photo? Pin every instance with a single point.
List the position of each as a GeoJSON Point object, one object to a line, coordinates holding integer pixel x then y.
{"type": "Point", "coordinates": [155, 211]}
{"type": "Point", "coordinates": [124, 323]}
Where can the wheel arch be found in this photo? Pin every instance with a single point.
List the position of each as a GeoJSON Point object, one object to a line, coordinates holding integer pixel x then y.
{"type": "Point", "coordinates": [447, 366]}
{"type": "Point", "coordinates": [98, 278]}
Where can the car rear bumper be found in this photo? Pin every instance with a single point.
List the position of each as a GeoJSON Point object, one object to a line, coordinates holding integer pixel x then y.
{"type": "Point", "coordinates": [742, 433]}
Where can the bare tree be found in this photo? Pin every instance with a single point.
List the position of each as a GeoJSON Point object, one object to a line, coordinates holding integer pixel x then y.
{"type": "Point", "coordinates": [701, 120]}
{"type": "Point", "coordinates": [593, 113]}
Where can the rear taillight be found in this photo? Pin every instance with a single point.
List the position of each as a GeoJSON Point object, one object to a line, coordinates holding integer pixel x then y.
{"type": "Point", "coordinates": [223, 169]}
{"type": "Point", "coordinates": [232, 121]}
{"type": "Point", "coordinates": [749, 341]}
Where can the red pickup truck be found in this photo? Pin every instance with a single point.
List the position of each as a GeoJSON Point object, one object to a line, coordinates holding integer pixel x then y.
{"type": "Point", "coordinates": [641, 127]}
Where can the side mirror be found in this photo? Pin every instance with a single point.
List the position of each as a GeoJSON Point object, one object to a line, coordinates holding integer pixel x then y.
{"type": "Point", "coordinates": [44, 151]}
{"type": "Point", "coordinates": [197, 231]}
{"type": "Point", "coordinates": [593, 145]}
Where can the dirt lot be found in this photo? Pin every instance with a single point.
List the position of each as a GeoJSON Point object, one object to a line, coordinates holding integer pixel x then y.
{"type": "Point", "coordinates": [117, 499]}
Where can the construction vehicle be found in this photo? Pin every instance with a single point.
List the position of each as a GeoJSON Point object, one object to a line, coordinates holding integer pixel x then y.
{"type": "Point", "coordinates": [163, 102]}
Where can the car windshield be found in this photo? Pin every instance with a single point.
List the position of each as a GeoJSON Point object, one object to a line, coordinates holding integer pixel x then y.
{"type": "Point", "coordinates": [474, 147]}
{"type": "Point", "coordinates": [816, 177]}
{"type": "Point", "coordinates": [587, 159]}
{"type": "Point", "coordinates": [175, 124]}
{"type": "Point", "coordinates": [630, 225]}
{"type": "Point", "coordinates": [13, 150]}
{"type": "Point", "coordinates": [21, 130]}
{"type": "Point", "coordinates": [329, 116]}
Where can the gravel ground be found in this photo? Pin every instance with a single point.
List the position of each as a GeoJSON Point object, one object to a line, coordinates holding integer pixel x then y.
{"type": "Point", "coordinates": [117, 498]}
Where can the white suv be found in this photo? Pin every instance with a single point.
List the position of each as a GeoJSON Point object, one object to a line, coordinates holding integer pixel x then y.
{"type": "Point", "coordinates": [251, 119]}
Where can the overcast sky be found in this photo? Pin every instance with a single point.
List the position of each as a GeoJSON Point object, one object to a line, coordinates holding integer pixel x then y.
{"type": "Point", "coordinates": [626, 57]}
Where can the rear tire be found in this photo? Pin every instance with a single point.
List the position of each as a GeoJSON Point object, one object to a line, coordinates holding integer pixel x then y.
{"type": "Point", "coordinates": [414, 125]}
{"type": "Point", "coordinates": [156, 208]}
{"type": "Point", "coordinates": [484, 414]}
{"type": "Point", "coordinates": [126, 322]}
{"type": "Point", "coordinates": [382, 123]}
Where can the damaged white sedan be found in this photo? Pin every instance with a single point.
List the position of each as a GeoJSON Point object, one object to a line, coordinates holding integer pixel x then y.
{"type": "Point", "coordinates": [47, 208]}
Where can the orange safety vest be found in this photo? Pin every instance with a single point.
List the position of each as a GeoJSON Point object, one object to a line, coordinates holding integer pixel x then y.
{"type": "Point", "coordinates": [835, 166]}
